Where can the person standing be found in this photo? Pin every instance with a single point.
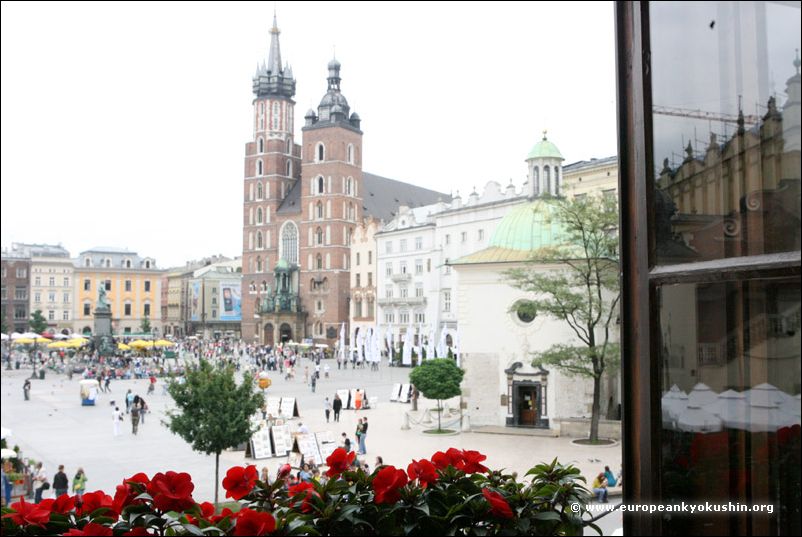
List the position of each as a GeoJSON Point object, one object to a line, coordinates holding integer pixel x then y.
{"type": "Point", "coordinates": [79, 484]}
{"type": "Point", "coordinates": [8, 486]}
{"type": "Point", "coordinates": [337, 406]}
{"type": "Point", "coordinates": [358, 435]}
{"type": "Point", "coordinates": [26, 389]}
{"type": "Point", "coordinates": [143, 409]}
{"type": "Point", "coordinates": [116, 418]}
{"type": "Point", "coordinates": [61, 484]}
{"type": "Point", "coordinates": [327, 408]}
{"type": "Point", "coordinates": [358, 400]}
{"type": "Point", "coordinates": [362, 449]}
{"type": "Point", "coordinates": [107, 384]}
{"type": "Point", "coordinates": [40, 482]}
{"type": "Point", "coordinates": [314, 383]}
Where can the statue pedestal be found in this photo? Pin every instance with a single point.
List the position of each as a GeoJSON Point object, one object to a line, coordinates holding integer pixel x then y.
{"type": "Point", "coordinates": [102, 331]}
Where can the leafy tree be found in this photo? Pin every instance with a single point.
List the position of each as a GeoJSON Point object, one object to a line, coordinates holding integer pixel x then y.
{"type": "Point", "coordinates": [213, 412]}
{"type": "Point", "coordinates": [4, 327]}
{"type": "Point", "coordinates": [438, 378]}
{"type": "Point", "coordinates": [583, 292]}
{"type": "Point", "coordinates": [37, 322]}
{"type": "Point", "coordinates": [145, 327]}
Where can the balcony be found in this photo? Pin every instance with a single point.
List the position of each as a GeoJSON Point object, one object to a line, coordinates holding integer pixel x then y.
{"type": "Point", "coordinates": [403, 301]}
{"type": "Point", "coordinates": [401, 277]}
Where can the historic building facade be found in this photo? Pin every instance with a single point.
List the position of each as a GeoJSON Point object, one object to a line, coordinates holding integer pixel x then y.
{"type": "Point", "coordinates": [302, 204]}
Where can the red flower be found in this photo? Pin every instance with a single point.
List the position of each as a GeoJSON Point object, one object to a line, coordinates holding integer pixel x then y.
{"type": "Point", "coordinates": [307, 490]}
{"type": "Point", "coordinates": [452, 457]}
{"type": "Point", "coordinates": [92, 501]}
{"type": "Point", "coordinates": [130, 489]}
{"type": "Point", "coordinates": [239, 481]}
{"type": "Point", "coordinates": [172, 491]}
{"type": "Point", "coordinates": [206, 511]}
{"type": "Point", "coordinates": [498, 505]}
{"type": "Point", "coordinates": [91, 529]}
{"type": "Point", "coordinates": [28, 514]}
{"type": "Point", "coordinates": [214, 519]}
{"type": "Point", "coordinates": [63, 504]}
{"type": "Point", "coordinates": [786, 435]}
{"type": "Point", "coordinates": [250, 522]}
{"type": "Point", "coordinates": [472, 460]}
{"type": "Point", "coordinates": [386, 484]}
{"type": "Point", "coordinates": [339, 461]}
{"type": "Point", "coordinates": [424, 471]}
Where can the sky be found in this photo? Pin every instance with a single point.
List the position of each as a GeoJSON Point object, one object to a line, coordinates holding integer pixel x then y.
{"type": "Point", "coordinates": [124, 124]}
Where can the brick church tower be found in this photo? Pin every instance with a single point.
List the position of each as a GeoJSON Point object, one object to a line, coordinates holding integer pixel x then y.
{"type": "Point", "coordinates": [272, 167]}
{"type": "Point", "coordinates": [331, 197]}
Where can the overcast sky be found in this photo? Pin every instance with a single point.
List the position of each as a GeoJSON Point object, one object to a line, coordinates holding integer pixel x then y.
{"type": "Point", "coordinates": [125, 124]}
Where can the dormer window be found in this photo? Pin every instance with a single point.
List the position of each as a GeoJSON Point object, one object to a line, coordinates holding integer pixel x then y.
{"type": "Point", "coordinates": [127, 263]}
{"type": "Point", "coordinates": [87, 262]}
{"type": "Point", "coordinates": [147, 263]}
{"type": "Point", "coordinates": [107, 263]}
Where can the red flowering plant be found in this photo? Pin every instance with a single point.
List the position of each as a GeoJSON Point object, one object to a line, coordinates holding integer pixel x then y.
{"type": "Point", "coordinates": [453, 493]}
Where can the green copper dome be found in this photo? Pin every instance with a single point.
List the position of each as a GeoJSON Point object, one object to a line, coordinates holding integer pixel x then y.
{"type": "Point", "coordinates": [544, 149]}
{"type": "Point", "coordinates": [531, 226]}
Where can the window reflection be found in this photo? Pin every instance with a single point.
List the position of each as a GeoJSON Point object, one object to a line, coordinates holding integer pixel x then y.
{"type": "Point", "coordinates": [731, 404]}
{"type": "Point", "coordinates": [726, 103]}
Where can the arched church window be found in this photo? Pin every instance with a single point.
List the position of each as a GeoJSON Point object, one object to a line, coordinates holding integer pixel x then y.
{"type": "Point", "coordinates": [289, 242]}
{"type": "Point", "coordinates": [319, 210]}
{"type": "Point", "coordinates": [321, 152]}
{"type": "Point", "coordinates": [261, 144]}
{"type": "Point", "coordinates": [258, 264]}
{"type": "Point", "coordinates": [259, 167]}
{"type": "Point", "coordinates": [259, 191]}
{"type": "Point", "coordinates": [556, 181]}
{"type": "Point", "coordinates": [289, 146]}
{"type": "Point", "coordinates": [289, 168]}
{"type": "Point", "coordinates": [319, 236]}
{"type": "Point", "coordinates": [546, 180]}
{"type": "Point", "coordinates": [320, 185]}
{"type": "Point", "coordinates": [259, 215]}
{"type": "Point", "coordinates": [350, 153]}
{"type": "Point", "coordinates": [319, 262]}
{"type": "Point", "coordinates": [259, 242]}
{"type": "Point", "coordinates": [536, 179]}
{"type": "Point", "coordinates": [349, 186]}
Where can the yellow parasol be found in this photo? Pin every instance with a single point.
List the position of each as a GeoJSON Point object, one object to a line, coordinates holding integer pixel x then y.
{"type": "Point", "coordinates": [59, 345]}
{"type": "Point", "coordinates": [123, 347]}
{"type": "Point", "coordinates": [141, 344]}
{"type": "Point", "coordinates": [28, 341]}
{"type": "Point", "coordinates": [163, 343]}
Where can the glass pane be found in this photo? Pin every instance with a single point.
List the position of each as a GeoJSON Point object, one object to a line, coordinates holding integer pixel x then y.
{"type": "Point", "coordinates": [730, 379]}
{"type": "Point", "coordinates": [726, 103]}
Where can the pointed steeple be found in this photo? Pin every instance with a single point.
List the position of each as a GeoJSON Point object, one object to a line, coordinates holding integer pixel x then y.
{"type": "Point", "coordinates": [274, 59]}
{"type": "Point", "coordinates": [271, 79]}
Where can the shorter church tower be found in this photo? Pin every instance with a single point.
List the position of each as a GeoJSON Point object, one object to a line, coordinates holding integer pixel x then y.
{"type": "Point", "coordinates": [544, 169]}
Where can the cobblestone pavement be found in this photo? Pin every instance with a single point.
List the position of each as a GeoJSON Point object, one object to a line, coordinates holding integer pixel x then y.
{"type": "Point", "coordinates": [55, 428]}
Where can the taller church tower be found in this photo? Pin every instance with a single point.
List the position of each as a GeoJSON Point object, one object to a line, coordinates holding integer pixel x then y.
{"type": "Point", "coordinates": [331, 197]}
{"type": "Point", "coordinates": [272, 167]}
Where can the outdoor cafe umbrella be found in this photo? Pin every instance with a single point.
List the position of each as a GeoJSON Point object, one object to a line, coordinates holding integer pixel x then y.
{"type": "Point", "coordinates": [163, 343]}
{"type": "Point", "coordinates": [123, 347]}
{"type": "Point", "coordinates": [6, 453]}
{"type": "Point", "coordinates": [4, 337]}
{"type": "Point", "coordinates": [59, 345]}
{"type": "Point", "coordinates": [141, 344]}
{"type": "Point", "coordinates": [76, 343]}
{"type": "Point", "coordinates": [28, 340]}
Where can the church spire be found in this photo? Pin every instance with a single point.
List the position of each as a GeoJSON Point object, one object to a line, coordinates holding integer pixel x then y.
{"type": "Point", "coordinates": [272, 79]}
{"type": "Point", "coordinates": [274, 59]}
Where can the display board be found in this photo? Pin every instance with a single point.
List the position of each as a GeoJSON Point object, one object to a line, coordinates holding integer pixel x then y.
{"type": "Point", "coordinates": [405, 392]}
{"type": "Point", "coordinates": [289, 408]}
{"type": "Point", "coordinates": [326, 443]}
{"type": "Point", "coordinates": [282, 439]}
{"type": "Point", "coordinates": [344, 397]}
{"type": "Point", "coordinates": [394, 393]}
{"type": "Point", "coordinates": [352, 402]}
{"type": "Point", "coordinates": [306, 445]}
{"type": "Point", "coordinates": [260, 444]}
{"type": "Point", "coordinates": [273, 406]}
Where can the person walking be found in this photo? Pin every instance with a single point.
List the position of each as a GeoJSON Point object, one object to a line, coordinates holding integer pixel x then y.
{"type": "Point", "coordinates": [129, 400]}
{"type": "Point", "coordinates": [327, 408]}
{"type": "Point", "coordinates": [26, 389]}
{"type": "Point", "coordinates": [337, 406]}
{"type": "Point", "coordinates": [358, 400]}
{"type": "Point", "coordinates": [362, 449]}
{"type": "Point", "coordinates": [61, 484]}
{"type": "Point", "coordinates": [358, 434]}
{"type": "Point", "coordinates": [314, 383]}
{"type": "Point", "coordinates": [107, 384]}
{"type": "Point", "coordinates": [79, 484]}
{"type": "Point", "coordinates": [143, 409]}
{"type": "Point", "coordinates": [40, 482]}
{"type": "Point", "coordinates": [116, 418]}
{"type": "Point", "coordinates": [345, 443]}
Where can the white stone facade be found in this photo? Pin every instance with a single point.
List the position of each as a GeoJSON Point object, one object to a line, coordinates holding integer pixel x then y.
{"type": "Point", "coordinates": [52, 290]}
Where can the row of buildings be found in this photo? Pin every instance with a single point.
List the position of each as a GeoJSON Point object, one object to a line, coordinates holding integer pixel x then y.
{"type": "Point", "coordinates": [202, 297]}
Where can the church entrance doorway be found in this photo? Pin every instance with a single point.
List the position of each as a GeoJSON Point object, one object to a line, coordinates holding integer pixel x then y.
{"type": "Point", "coordinates": [528, 403]}
{"type": "Point", "coordinates": [285, 333]}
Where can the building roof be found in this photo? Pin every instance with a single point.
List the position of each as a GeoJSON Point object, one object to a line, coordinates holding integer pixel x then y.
{"type": "Point", "coordinates": [544, 149]}
{"type": "Point", "coordinates": [382, 196]}
{"type": "Point", "coordinates": [523, 231]}
{"type": "Point", "coordinates": [592, 163]}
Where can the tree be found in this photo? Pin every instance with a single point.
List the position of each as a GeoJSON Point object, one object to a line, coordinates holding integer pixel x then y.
{"type": "Point", "coordinates": [213, 412]}
{"type": "Point", "coordinates": [438, 379]}
{"type": "Point", "coordinates": [145, 327]}
{"type": "Point", "coordinates": [583, 291]}
{"type": "Point", "coordinates": [37, 322]}
{"type": "Point", "coordinates": [4, 325]}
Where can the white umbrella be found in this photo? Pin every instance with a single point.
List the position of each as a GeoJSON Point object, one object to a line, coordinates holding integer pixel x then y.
{"type": "Point", "coordinates": [8, 453]}
{"type": "Point", "coordinates": [792, 406]}
{"type": "Point", "coordinates": [701, 395]}
{"type": "Point", "coordinates": [696, 420]}
{"type": "Point", "coordinates": [672, 405]}
{"type": "Point", "coordinates": [61, 336]}
{"type": "Point", "coordinates": [5, 432]}
{"type": "Point", "coordinates": [764, 414]}
{"type": "Point", "coordinates": [406, 354]}
{"type": "Point", "coordinates": [27, 335]}
{"type": "Point", "coordinates": [4, 337]}
{"type": "Point", "coordinates": [730, 406]}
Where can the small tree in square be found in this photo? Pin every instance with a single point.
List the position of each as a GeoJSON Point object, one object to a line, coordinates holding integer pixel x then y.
{"type": "Point", "coordinates": [37, 322]}
{"type": "Point", "coordinates": [145, 327]}
{"type": "Point", "coordinates": [213, 413]}
{"type": "Point", "coordinates": [438, 379]}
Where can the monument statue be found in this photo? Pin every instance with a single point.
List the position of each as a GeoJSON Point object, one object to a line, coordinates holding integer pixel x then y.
{"type": "Point", "coordinates": [102, 301]}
